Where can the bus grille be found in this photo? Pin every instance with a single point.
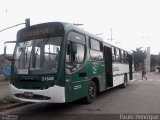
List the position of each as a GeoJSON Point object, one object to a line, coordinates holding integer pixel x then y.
{"type": "Point", "coordinates": [35, 97]}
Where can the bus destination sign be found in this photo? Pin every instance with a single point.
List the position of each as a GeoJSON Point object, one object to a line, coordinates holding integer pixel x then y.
{"type": "Point", "coordinates": [40, 31]}
{"type": "Point", "coordinates": [36, 32]}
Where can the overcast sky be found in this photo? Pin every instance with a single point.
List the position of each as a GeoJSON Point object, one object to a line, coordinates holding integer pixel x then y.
{"type": "Point", "coordinates": [134, 23]}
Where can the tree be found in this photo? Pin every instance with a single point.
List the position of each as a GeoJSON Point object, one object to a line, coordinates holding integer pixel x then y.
{"type": "Point", "coordinates": [159, 59]}
{"type": "Point", "coordinates": [139, 56]}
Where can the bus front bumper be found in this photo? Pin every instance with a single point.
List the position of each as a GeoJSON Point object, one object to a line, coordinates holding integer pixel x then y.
{"type": "Point", "coordinates": [55, 94]}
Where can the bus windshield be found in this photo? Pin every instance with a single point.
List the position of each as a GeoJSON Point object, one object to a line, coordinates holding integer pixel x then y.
{"type": "Point", "coordinates": [38, 56]}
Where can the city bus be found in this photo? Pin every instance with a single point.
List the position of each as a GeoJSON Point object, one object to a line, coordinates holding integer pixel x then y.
{"type": "Point", "coordinates": [57, 62]}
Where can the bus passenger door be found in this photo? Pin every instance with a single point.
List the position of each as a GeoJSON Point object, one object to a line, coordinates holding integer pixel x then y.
{"type": "Point", "coordinates": [108, 66]}
{"type": "Point", "coordinates": [130, 67]}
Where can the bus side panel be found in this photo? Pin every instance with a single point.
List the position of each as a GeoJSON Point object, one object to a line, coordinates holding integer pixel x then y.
{"type": "Point", "coordinates": [119, 70]}
{"type": "Point", "coordinates": [77, 85]}
{"type": "Point", "coordinates": [97, 72]}
{"type": "Point", "coordinates": [76, 90]}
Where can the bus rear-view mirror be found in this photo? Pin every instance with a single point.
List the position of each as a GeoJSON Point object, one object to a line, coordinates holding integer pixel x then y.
{"type": "Point", "coordinates": [9, 49]}
{"type": "Point", "coordinates": [74, 48]}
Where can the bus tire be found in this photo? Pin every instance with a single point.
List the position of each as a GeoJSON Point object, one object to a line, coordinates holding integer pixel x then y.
{"type": "Point", "coordinates": [124, 85]}
{"type": "Point", "coordinates": [91, 93]}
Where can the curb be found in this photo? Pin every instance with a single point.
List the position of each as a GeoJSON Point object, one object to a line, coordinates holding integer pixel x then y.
{"type": "Point", "coordinates": [1, 84]}
{"type": "Point", "coordinates": [14, 106]}
{"type": "Point", "coordinates": [133, 80]}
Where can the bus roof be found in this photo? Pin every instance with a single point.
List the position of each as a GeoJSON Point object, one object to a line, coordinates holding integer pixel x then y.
{"type": "Point", "coordinates": [73, 27]}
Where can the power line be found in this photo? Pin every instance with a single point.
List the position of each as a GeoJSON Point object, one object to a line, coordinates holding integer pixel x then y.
{"type": "Point", "coordinates": [111, 37]}
{"type": "Point", "coordinates": [77, 24]}
{"type": "Point", "coordinates": [27, 23]}
{"type": "Point", "coordinates": [11, 27]}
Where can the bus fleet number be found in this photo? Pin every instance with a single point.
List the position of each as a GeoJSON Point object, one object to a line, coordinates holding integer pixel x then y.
{"type": "Point", "coordinates": [47, 78]}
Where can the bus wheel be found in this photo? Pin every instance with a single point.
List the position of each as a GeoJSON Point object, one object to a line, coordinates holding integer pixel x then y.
{"type": "Point", "coordinates": [124, 85]}
{"type": "Point", "coordinates": [91, 93]}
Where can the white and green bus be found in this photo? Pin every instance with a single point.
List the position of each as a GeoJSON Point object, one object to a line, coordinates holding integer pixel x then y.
{"type": "Point", "coordinates": [57, 62]}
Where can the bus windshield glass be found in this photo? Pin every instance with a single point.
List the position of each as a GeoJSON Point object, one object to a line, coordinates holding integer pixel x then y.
{"type": "Point", "coordinates": [38, 56]}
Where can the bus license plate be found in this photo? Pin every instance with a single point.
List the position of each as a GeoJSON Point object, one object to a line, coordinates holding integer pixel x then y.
{"type": "Point", "coordinates": [28, 94]}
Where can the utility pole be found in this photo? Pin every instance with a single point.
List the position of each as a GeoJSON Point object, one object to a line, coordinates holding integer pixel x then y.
{"type": "Point", "coordinates": [111, 38]}
{"type": "Point", "coordinates": [111, 34]}
{"type": "Point", "coordinates": [147, 60]}
{"type": "Point", "coordinates": [27, 24]}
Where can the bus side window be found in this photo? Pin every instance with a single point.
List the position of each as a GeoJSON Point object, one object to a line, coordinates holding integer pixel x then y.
{"type": "Point", "coordinates": [120, 55]}
{"type": "Point", "coordinates": [125, 60]}
{"type": "Point", "coordinates": [117, 55]}
{"type": "Point", "coordinates": [68, 52]}
{"type": "Point", "coordinates": [127, 57]}
{"type": "Point", "coordinates": [113, 54]}
{"type": "Point", "coordinates": [96, 48]}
